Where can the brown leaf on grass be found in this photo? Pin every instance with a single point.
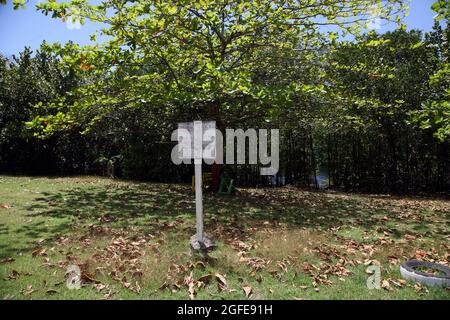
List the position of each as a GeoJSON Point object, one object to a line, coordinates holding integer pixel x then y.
{"type": "Point", "coordinates": [165, 285]}
{"type": "Point", "coordinates": [119, 242]}
{"type": "Point", "coordinates": [95, 230]}
{"type": "Point", "coordinates": [87, 277]}
{"type": "Point", "coordinates": [62, 264]}
{"type": "Point", "coordinates": [198, 264]}
{"type": "Point", "coordinates": [205, 279]}
{"type": "Point", "coordinates": [386, 285]}
{"type": "Point", "coordinates": [100, 286]}
{"type": "Point", "coordinates": [108, 295]}
{"type": "Point", "coordinates": [6, 260]}
{"type": "Point", "coordinates": [28, 290]}
{"type": "Point", "coordinates": [14, 275]}
{"type": "Point", "coordinates": [376, 262]}
{"type": "Point", "coordinates": [51, 291]}
{"type": "Point", "coordinates": [137, 273]}
{"type": "Point", "coordinates": [107, 218]}
{"type": "Point", "coordinates": [247, 290]}
{"type": "Point", "coordinates": [177, 285]}
{"type": "Point", "coordinates": [39, 252]}
{"type": "Point", "coordinates": [282, 266]}
{"type": "Point", "coordinates": [5, 206]}
{"type": "Point", "coordinates": [322, 279]}
{"type": "Point", "coordinates": [191, 291]}
{"type": "Point", "coordinates": [420, 254]}
{"type": "Point", "coordinates": [307, 267]}
{"type": "Point", "coordinates": [137, 287]}
{"type": "Point", "coordinates": [393, 260]}
{"type": "Point", "coordinates": [420, 289]}
{"type": "Point", "coordinates": [256, 264]}
{"type": "Point", "coordinates": [178, 268]}
{"type": "Point", "coordinates": [399, 282]}
{"type": "Point", "coordinates": [190, 282]}
{"type": "Point", "coordinates": [369, 262]}
{"type": "Point", "coordinates": [409, 237]}
{"type": "Point", "coordinates": [221, 282]}
{"type": "Point", "coordinates": [240, 245]}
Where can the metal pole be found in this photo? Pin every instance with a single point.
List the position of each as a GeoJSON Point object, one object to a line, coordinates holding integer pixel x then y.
{"type": "Point", "coordinates": [199, 201]}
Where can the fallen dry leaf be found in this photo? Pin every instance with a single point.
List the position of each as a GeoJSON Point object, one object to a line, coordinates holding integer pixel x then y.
{"type": "Point", "coordinates": [39, 252]}
{"type": "Point", "coordinates": [247, 290]}
{"type": "Point", "coordinates": [190, 282]}
{"type": "Point", "coordinates": [51, 291]}
{"type": "Point", "coordinates": [205, 279]}
{"type": "Point", "coordinates": [28, 290]}
{"type": "Point", "coordinates": [385, 285]}
{"type": "Point", "coordinates": [399, 282]}
{"type": "Point", "coordinates": [409, 237]}
{"type": "Point", "coordinates": [100, 286]}
{"type": "Point", "coordinates": [137, 287]}
{"type": "Point", "coordinates": [420, 254]}
{"type": "Point", "coordinates": [14, 275]}
{"type": "Point", "coordinates": [221, 281]}
{"type": "Point", "coordinates": [87, 277]}
{"type": "Point", "coordinates": [198, 264]}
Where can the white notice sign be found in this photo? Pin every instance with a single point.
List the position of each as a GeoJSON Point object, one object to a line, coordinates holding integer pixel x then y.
{"type": "Point", "coordinates": [197, 139]}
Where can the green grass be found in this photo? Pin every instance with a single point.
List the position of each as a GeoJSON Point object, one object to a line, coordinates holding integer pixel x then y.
{"type": "Point", "coordinates": [132, 239]}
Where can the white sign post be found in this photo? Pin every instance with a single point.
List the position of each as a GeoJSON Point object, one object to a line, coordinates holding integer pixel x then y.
{"type": "Point", "coordinates": [199, 201]}
{"type": "Point", "coordinates": [194, 133]}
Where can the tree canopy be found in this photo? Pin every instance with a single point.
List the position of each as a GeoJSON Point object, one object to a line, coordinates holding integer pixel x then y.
{"type": "Point", "coordinates": [373, 109]}
{"type": "Point", "coordinates": [202, 54]}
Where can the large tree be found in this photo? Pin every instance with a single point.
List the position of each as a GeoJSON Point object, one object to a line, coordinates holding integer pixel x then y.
{"type": "Point", "coordinates": [203, 55]}
{"type": "Point", "coordinates": [435, 112]}
{"type": "Point", "coordinates": [27, 80]}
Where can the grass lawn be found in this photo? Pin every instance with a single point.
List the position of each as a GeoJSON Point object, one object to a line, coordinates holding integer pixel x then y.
{"type": "Point", "coordinates": [131, 241]}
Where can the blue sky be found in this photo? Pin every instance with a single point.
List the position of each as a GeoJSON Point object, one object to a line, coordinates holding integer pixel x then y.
{"type": "Point", "coordinates": [29, 28]}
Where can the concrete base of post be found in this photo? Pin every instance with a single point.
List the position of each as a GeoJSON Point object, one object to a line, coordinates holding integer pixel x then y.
{"type": "Point", "coordinates": [206, 245]}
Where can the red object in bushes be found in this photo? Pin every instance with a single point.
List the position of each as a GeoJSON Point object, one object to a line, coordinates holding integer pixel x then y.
{"type": "Point", "coordinates": [215, 177]}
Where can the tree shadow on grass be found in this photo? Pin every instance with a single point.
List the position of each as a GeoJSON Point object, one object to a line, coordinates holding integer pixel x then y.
{"type": "Point", "coordinates": [4, 229]}
{"type": "Point", "coordinates": [141, 204]}
{"type": "Point", "coordinates": [320, 210]}
{"type": "Point", "coordinates": [54, 214]}
{"type": "Point", "coordinates": [118, 203]}
{"type": "Point", "coordinates": [317, 214]}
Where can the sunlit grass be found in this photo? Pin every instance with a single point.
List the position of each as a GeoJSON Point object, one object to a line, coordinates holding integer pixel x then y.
{"type": "Point", "coordinates": [276, 241]}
